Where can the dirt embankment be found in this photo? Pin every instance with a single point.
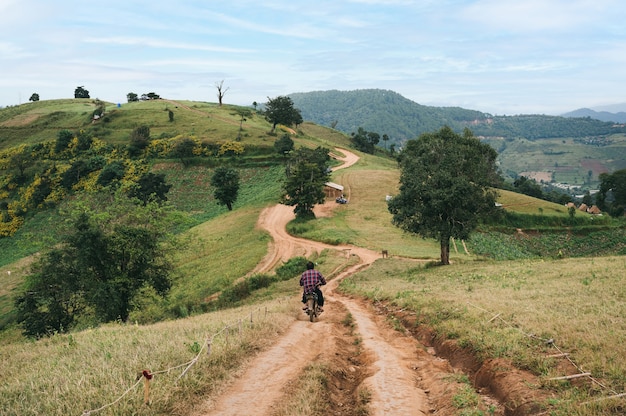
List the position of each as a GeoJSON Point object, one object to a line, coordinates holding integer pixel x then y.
{"type": "Point", "coordinates": [408, 373]}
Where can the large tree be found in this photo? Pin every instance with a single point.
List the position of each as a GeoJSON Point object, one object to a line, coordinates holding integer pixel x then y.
{"type": "Point", "coordinates": [612, 193]}
{"type": "Point", "coordinates": [113, 250]}
{"type": "Point", "coordinates": [280, 110]}
{"type": "Point", "coordinates": [307, 172]}
{"type": "Point", "coordinates": [81, 92]}
{"type": "Point", "coordinates": [364, 140]}
{"type": "Point", "coordinates": [226, 183]}
{"type": "Point", "coordinates": [445, 186]}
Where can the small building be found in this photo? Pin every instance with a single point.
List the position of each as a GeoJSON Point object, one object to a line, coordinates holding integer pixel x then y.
{"type": "Point", "coordinates": [333, 190]}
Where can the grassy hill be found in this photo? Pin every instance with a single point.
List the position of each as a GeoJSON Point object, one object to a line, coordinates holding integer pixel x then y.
{"type": "Point", "coordinates": [533, 287]}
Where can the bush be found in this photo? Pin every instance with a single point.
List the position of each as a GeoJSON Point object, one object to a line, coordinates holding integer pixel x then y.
{"type": "Point", "coordinates": [241, 290]}
{"type": "Point", "coordinates": [292, 268]}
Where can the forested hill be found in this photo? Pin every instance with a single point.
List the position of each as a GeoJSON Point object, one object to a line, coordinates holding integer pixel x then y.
{"type": "Point", "coordinates": [387, 112]}
{"type": "Point", "coordinates": [381, 111]}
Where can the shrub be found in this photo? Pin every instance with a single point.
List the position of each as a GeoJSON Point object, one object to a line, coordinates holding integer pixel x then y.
{"type": "Point", "coordinates": [292, 268]}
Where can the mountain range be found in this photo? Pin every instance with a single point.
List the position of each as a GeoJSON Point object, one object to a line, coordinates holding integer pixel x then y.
{"type": "Point", "coordinates": [565, 151]}
{"type": "Point", "coordinates": [619, 117]}
{"type": "Point", "coordinates": [387, 112]}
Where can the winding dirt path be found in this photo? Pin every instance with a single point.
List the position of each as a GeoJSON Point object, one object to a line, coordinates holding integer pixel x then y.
{"type": "Point", "coordinates": [394, 369]}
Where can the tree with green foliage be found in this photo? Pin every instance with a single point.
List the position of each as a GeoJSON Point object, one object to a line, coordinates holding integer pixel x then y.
{"type": "Point", "coordinates": [283, 145]}
{"type": "Point", "coordinates": [81, 92]}
{"type": "Point", "coordinates": [150, 187]}
{"type": "Point", "coordinates": [611, 196]}
{"type": "Point", "coordinates": [364, 140]}
{"type": "Point", "coordinates": [111, 173]}
{"type": "Point", "coordinates": [139, 140]}
{"type": "Point", "coordinates": [64, 138]}
{"type": "Point", "coordinates": [226, 183]}
{"type": "Point", "coordinates": [526, 186]}
{"type": "Point", "coordinates": [20, 160]}
{"type": "Point", "coordinates": [114, 249]}
{"type": "Point", "coordinates": [280, 110]}
{"type": "Point", "coordinates": [150, 96]}
{"type": "Point", "coordinates": [307, 171]}
{"type": "Point", "coordinates": [131, 97]}
{"type": "Point", "coordinates": [34, 97]}
{"type": "Point", "coordinates": [183, 150]}
{"type": "Point", "coordinates": [445, 186]}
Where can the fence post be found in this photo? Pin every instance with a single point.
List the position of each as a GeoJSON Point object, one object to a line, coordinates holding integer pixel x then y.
{"type": "Point", "coordinates": [146, 386]}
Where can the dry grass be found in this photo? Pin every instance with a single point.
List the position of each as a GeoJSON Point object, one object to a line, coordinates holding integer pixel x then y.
{"type": "Point", "coordinates": [308, 396]}
{"type": "Point", "coordinates": [509, 309]}
{"type": "Point", "coordinates": [72, 373]}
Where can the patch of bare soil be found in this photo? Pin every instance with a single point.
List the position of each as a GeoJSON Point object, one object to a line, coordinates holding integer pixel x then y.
{"type": "Point", "coordinates": [21, 120]}
{"type": "Point", "coordinates": [399, 373]}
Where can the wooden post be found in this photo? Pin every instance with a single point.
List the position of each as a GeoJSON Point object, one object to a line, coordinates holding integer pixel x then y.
{"type": "Point", "coordinates": [146, 386]}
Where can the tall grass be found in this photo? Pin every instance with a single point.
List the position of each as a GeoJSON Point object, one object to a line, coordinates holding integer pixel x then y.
{"type": "Point", "coordinates": [72, 373]}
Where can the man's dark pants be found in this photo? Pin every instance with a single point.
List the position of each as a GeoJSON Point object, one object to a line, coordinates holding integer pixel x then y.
{"type": "Point", "coordinates": [320, 297]}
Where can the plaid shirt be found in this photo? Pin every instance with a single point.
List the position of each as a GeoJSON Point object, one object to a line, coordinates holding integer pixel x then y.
{"type": "Point", "coordinates": [310, 279]}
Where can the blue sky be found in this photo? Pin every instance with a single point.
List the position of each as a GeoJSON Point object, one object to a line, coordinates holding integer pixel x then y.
{"type": "Point", "coordinates": [496, 56]}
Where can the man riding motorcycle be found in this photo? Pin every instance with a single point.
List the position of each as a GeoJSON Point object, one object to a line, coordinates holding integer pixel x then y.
{"type": "Point", "coordinates": [311, 280]}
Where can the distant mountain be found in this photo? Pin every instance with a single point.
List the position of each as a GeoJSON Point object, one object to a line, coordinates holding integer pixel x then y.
{"type": "Point", "coordinates": [598, 115]}
{"type": "Point", "coordinates": [381, 111]}
{"type": "Point", "coordinates": [387, 112]}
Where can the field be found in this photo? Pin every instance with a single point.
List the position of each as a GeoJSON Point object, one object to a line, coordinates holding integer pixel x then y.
{"type": "Point", "coordinates": [576, 162]}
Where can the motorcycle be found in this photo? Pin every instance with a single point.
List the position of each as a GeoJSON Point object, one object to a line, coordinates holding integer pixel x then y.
{"type": "Point", "coordinates": [313, 309]}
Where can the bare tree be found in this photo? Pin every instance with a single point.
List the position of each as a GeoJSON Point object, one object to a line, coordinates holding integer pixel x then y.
{"type": "Point", "coordinates": [221, 91]}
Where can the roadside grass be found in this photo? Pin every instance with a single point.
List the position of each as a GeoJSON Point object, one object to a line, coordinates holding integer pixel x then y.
{"type": "Point", "coordinates": [509, 309]}
{"type": "Point", "coordinates": [85, 370]}
{"type": "Point", "coordinates": [219, 251]}
{"type": "Point", "coordinates": [308, 395]}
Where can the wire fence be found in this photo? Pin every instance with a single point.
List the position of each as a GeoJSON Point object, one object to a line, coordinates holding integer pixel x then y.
{"type": "Point", "coordinates": [561, 354]}
{"type": "Point", "coordinates": [237, 326]}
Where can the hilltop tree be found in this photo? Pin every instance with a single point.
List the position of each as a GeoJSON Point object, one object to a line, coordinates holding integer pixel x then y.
{"type": "Point", "coordinates": [81, 92]}
{"type": "Point", "coordinates": [34, 97]}
{"type": "Point", "coordinates": [307, 172]}
{"type": "Point", "coordinates": [221, 91]}
{"type": "Point", "coordinates": [280, 110]}
{"type": "Point", "coordinates": [226, 183]}
{"type": "Point", "coordinates": [445, 186]}
{"type": "Point", "coordinates": [132, 97]}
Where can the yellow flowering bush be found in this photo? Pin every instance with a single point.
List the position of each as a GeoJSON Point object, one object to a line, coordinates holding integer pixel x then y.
{"type": "Point", "coordinates": [231, 148]}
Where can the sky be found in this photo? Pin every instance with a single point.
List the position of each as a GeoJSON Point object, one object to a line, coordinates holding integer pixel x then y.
{"type": "Point", "coordinates": [496, 56]}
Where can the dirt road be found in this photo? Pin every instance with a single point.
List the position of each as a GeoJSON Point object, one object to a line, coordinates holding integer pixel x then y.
{"type": "Point", "coordinates": [396, 371]}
